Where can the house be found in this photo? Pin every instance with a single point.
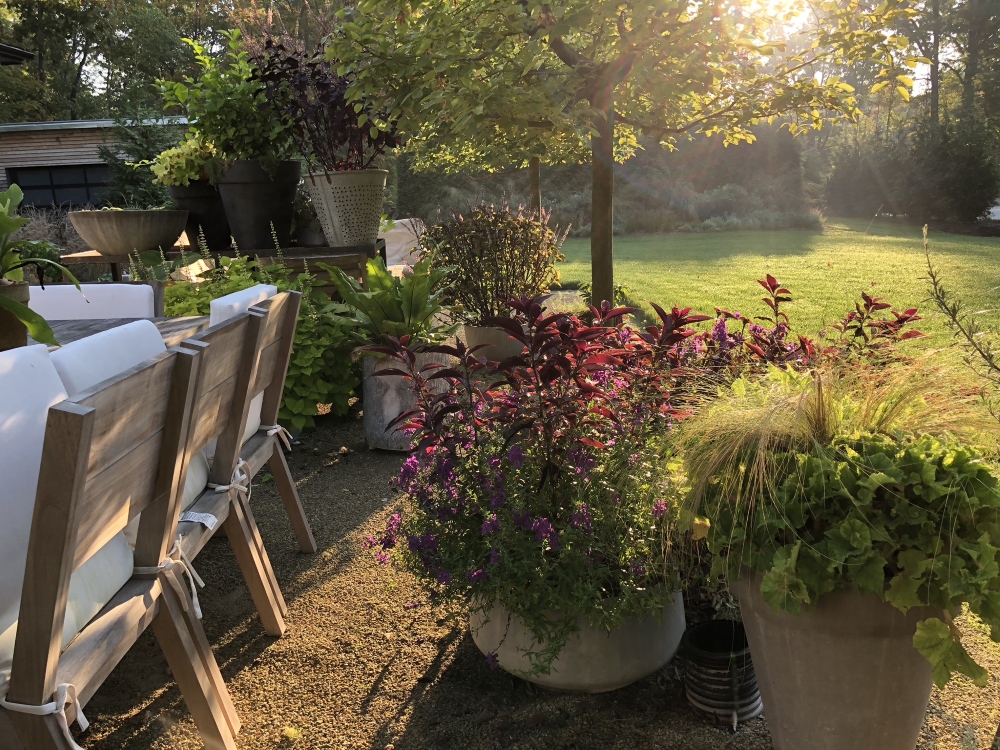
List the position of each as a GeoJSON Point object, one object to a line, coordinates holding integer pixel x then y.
{"type": "Point", "coordinates": [57, 163]}
{"type": "Point", "coordinates": [11, 55]}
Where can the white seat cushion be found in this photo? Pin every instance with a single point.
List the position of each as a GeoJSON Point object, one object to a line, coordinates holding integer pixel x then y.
{"type": "Point", "coordinates": [65, 302]}
{"type": "Point", "coordinates": [401, 241]}
{"type": "Point", "coordinates": [86, 362]}
{"type": "Point", "coordinates": [31, 386]}
{"type": "Point", "coordinates": [224, 308]}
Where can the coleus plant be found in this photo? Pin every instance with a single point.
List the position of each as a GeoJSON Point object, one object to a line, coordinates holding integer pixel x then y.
{"type": "Point", "coordinates": [539, 483]}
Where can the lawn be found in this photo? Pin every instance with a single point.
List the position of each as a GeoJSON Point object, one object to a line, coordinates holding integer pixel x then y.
{"type": "Point", "coordinates": [825, 271]}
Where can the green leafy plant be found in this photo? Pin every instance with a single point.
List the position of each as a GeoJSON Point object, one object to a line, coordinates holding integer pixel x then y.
{"type": "Point", "coordinates": [854, 478]}
{"type": "Point", "coordinates": [395, 307]}
{"type": "Point", "coordinates": [320, 370]}
{"type": "Point", "coordinates": [226, 106]}
{"type": "Point", "coordinates": [194, 159]}
{"type": "Point", "coordinates": [496, 255]}
{"type": "Point", "coordinates": [15, 255]}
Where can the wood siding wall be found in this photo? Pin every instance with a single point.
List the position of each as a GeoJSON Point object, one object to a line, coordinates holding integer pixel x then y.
{"type": "Point", "coordinates": [45, 148]}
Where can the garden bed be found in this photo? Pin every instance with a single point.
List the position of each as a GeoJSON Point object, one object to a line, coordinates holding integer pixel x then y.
{"type": "Point", "coordinates": [358, 669]}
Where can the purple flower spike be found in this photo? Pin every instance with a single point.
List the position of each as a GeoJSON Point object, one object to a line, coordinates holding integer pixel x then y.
{"type": "Point", "coordinates": [492, 660]}
{"type": "Point", "coordinates": [444, 578]}
{"type": "Point", "coordinates": [477, 576]}
{"type": "Point", "coordinates": [494, 556]}
{"type": "Point", "coordinates": [516, 457]}
{"type": "Point", "coordinates": [491, 525]}
{"type": "Point", "coordinates": [660, 508]}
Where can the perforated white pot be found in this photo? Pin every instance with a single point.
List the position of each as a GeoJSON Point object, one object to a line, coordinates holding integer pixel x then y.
{"type": "Point", "coordinates": [348, 204]}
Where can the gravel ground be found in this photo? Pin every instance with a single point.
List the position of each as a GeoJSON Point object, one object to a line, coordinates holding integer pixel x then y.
{"type": "Point", "coordinates": [357, 669]}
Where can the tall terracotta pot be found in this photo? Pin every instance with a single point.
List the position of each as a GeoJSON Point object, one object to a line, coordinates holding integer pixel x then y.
{"type": "Point", "coordinates": [842, 677]}
{"type": "Point", "coordinates": [12, 331]}
{"type": "Point", "coordinates": [386, 397]}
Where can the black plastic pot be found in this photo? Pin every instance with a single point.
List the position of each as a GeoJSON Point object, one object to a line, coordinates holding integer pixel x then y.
{"type": "Point", "coordinates": [206, 213]}
{"type": "Point", "coordinates": [718, 675]}
{"type": "Point", "coordinates": [254, 202]}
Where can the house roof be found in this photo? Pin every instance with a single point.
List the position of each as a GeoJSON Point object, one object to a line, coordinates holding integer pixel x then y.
{"type": "Point", "coordinates": [11, 55]}
{"type": "Point", "coordinates": [17, 127]}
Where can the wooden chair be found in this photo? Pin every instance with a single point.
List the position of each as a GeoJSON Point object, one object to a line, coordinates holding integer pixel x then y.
{"type": "Point", "coordinates": [265, 446]}
{"type": "Point", "coordinates": [110, 453]}
{"type": "Point", "coordinates": [232, 352]}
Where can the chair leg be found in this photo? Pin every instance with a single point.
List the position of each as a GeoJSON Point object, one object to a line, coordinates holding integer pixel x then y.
{"type": "Point", "coordinates": [256, 567]}
{"type": "Point", "coordinates": [290, 497]}
{"type": "Point", "coordinates": [8, 737]}
{"type": "Point", "coordinates": [202, 694]}
{"type": "Point", "coordinates": [35, 732]}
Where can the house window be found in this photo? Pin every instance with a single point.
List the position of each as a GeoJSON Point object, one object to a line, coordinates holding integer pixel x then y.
{"type": "Point", "coordinates": [75, 185]}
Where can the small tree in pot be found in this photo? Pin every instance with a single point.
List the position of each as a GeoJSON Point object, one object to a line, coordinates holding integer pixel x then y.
{"type": "Point", "coordinates": [389, 310]}
{"type": "Point", "coordinates": [339, 139]}
{"type": "Point", "coordinates": [227, 106]}
{"type": "Point", "coordinates": [854, 519]}
{"type": "Point", "coordinates": [190, 171]}
{"type": "Point", "coordinates": [497, 256]}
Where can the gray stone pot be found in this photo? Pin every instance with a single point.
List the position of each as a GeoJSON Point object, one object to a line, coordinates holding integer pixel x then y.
{"type": "Point", "coordinates": [593, 661]}
{"type": "Point", "coordinates": [126, 232]}
{"type": "Point", "coordinates": [842, 677]}
{"type": "Point", "coordinates": [386, 397]}
{"type": "Point", "coordinates": [498, 344]}
{"type": "Point", "coordinates": [256, 201]}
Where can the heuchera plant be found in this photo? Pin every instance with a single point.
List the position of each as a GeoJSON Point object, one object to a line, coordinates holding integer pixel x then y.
{"type": "Point", "coordinates": [539, 484]}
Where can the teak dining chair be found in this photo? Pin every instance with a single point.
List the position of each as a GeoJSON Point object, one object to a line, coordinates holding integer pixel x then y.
{"type": "Point", "coordinates": [231, 356]}
{"type": "Point", "coordinates": [111, 453]}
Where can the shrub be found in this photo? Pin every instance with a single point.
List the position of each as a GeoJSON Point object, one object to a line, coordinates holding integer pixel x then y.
{"type": "Point", "coordinates": [495, 256]}
{"type": "Point", "coordinates": [321, 370]}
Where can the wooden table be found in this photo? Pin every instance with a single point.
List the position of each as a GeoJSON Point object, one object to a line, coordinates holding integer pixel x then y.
{"type": "Point", "coordinates": [173, 330]}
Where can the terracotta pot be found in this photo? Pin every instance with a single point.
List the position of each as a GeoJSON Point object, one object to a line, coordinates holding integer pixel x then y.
{"type": "Point", "coordinates": [12, 331]}
{"type": "Point", "coordinates": [348, 204]}
{"type": "Point", "coordinates": [499, 345]}
{"type": "Point", "coordinates": [842, 677]}
{"type": "Point", "coordinates": [592, 661]}
{"type": "Point", "coordinates": [386, 397]}
{"type": "Point", "coordinates": [127, 232]}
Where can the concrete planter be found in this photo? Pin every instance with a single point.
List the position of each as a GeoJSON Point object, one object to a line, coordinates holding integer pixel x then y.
{"type": "Point", "coordinates": [593, 661]}
{"type": "Point", "coordinates": [386, 397]}
{"type": "Point", "coordinates": [348, 204]}
{"type": "Point", "coordinates": [126, 232]}
{"type": "Point", "coordinates": [498, 344]}
{"type": "Point", "coordinates": [843, 676]}
{"type": "Point", "coordinates": [12, 331]}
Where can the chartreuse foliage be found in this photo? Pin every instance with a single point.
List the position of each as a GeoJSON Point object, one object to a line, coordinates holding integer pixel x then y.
{"type": "Point", "coordinates": [393, 307]}
{"type": "Point", "coordinates": [836, 480]}
{"type": "Point", "coordinates": [320, 370]}
{"type": "Point", "coordinates": [190, 161]}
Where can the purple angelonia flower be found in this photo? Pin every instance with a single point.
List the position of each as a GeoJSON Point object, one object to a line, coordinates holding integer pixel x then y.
{"type": "Point", "coordinates": [444, 578]}
{"type": "Point", "coordinates": [544, 530]}
{"type": "Point", "coordinates": [659, 508]}
{"type": "Point", "coordinates": [516, 457]}
{"type": "Point", "coordinates": [582, 519]}
{"type": "Point", "coordinates": [497, 499]}
{"type": "Point", "coordinates": [494, 556]}
{"type": "Point", "coordinates": [492, 660]}
{"type": "Point", "coordinates": [491, 525]}
{"type": "Point", "coordinates": [523, 519]}
{"type": "Point", "coordinates": [477, 576]}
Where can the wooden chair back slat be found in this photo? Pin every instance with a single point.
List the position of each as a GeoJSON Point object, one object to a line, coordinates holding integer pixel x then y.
{"type": "Point", "coordinates": [76, 511]}
{"type": "Point", "coordinates": [278, 338]}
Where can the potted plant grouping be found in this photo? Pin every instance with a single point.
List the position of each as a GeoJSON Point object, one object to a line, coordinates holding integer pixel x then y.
{"type": "Point", "coordinates": [227, 107]}
{"type": "Point", "coordinates": [854, 517]}
{"type": "Point", "coordinates": [497, 256]}
{"type": "Point", "coordinates": [189, 171]}
{"type": "Point", "coordinates": [543, 497]}
{"type": "Point", "coordinates": [17, 320]}
{"type": "Point", "coordinates": [338, 138]}
{"type": "Point", "coordinates": [392, 309]}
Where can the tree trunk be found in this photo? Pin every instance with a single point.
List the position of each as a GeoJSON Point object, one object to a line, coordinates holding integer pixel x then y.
{"type": "Point", "coordinates": [972, 53]}
{"type": "Point", "coordinates": [602, 201]}
{"type": "Point", "coordinates": [535, 184]}
{"type": "Point", "coordinates": [936, 63]}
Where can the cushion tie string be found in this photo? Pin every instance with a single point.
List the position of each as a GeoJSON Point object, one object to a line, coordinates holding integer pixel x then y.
{"type": "Point", "coordinates": [283, 435]}
{"type": "Point", "coordinates": [240, 481]}
{"type": "Point", "coordinates": [65, 695]}
{"type": "Point", "coordinates": [177, 559]}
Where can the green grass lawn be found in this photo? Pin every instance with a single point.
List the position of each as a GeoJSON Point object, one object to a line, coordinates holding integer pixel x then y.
{"type": "Point", "coordinates": [826, 271]}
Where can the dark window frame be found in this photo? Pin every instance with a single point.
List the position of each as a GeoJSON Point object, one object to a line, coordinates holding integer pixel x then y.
{"type": "Point", "coordinates": [93, 186]}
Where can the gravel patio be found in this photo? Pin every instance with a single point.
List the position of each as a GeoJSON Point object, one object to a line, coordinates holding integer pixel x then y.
{"type": "Point", "coordinates": [361, 667]}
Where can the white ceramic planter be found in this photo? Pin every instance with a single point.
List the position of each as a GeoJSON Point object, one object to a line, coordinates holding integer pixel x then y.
{"type": "Point", "coordinates": [498, 344]}
{"type": "Point", "coordinates": [348, 204]}
{"type": "Point", "coordinates": [593, 661]}
{"type": "Point", "coordinates": [386, 397]}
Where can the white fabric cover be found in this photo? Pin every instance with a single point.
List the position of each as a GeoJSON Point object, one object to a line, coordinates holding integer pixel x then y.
{"type": "Point", "coordinates": [65, 302]}
{"type": "Point", "coordinates": [32, 385]}
{"type": "Point", "coordinates": [224, 308]}
{"type": "Point", "coordinates": [401, 240]}
{"type": "Point", "coordinates": [86, 362]}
